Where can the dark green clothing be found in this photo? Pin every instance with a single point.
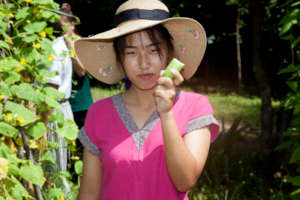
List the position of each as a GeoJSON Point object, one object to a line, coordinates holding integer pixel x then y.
{"type": "Point", "coordinates": [82, 97]}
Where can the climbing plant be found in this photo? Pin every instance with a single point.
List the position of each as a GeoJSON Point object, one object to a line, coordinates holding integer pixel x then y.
{"type": "Point", "coordinates": [25, 55]}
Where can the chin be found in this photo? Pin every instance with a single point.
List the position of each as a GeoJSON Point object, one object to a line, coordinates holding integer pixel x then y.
{"type": "Point", "coordinates": [145, 87]}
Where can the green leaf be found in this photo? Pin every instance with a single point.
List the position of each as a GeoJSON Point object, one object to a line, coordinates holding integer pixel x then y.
{"type": "Point", "coordinates": [29, 38]}
{"type": "Point", "coordinates": [295, 155]}
{"type": "Point", "coordinates": [293, 85]}
{"type": "Point", "coordinates": [49, 3]}
{"type": "Point", "coordinates": [33, 173]}
{"type": "Point", "coordinates": [12, 78]}
{"type": "Point", "coordinates": [295, 4]}
{"type": "Point", "coordinates": [55, 193]}
{"type": "Point", "coordinates": [49, 30]}
{"type": "Point", "coordinates": [295, 122]}
{"type": "Point", "coordinates": [46, 14]}
{"type": "Point", "coordinates": [22, 13]}
{"type": "Point", "coordinates": [78, 167]}
{"type": "Point", "coordinates": [51, 102]}
{"type": "Point", "coordinates": [5, 152]}
{"type": "Point", "coordinates": [4, 45]}
{"type": "Point", "coordinates": [289, 69]}
{"type": "Point", "coordinates": [21, 111]}
{"type": "Point", "coordinates": [298, 190]}
{"type": "Point", "coordinates": [13, 169]}
{"type": "Point", "coordinates": [8, 130]}
{"type": "Point", "coordinates": [294, 180]}
{"type": "Point", "coordinates": [27, 92]}
{"type": "Point", "coordinates": [44, 74]}
{"type": "Point", "coordinates": [54, 93]}
{"type": "Point", "coordinates": [37, 130]}
{"type": "Point", "coordinates": [18, 191]}
{"type": "Point", "coordinates": [65, 174]}
{"type": "Point", "coordinates": [1, 110]}
{"type": "Point", "coordinates": [31, 54]}
{"type": "Point", "coordinates": [47, 157]}
{"type": "Point", "coordinates": [35, 27]}
{"type": "Point", "coordinates": [8, 182]}
{"type": "Point", "coordinates": [8, 64]}
{"type": "Point", "coordinates": [287, 26]}
{"type": "Point", "coordinates": [284, 145]}
{"type": "Point", "coordinates": [46, 44]}
{"type": "Point", "coordinates": [4, 89]}
{"type": "Point", "coordinates": [69, 130]}
{"type": "Point", "coordinates": [57, 116]}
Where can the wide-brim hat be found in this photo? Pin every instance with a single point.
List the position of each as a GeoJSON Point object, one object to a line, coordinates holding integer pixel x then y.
{"type": "Point", "coordinates": [97, 53]}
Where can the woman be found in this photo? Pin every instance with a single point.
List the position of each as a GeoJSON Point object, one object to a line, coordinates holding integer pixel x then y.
{"type": "Point", "coordinates": [151, 141]}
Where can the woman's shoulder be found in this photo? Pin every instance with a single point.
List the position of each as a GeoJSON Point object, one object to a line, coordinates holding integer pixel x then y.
{"type": "Point", "coordinates": [193, 96]}
{"type": "Point", "coordinates": [102, 103]}
{"type": "Point", "coordinates": [195, 104]}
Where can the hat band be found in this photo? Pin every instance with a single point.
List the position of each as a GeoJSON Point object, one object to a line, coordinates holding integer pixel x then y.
{"type": "Point", "coordinates": [132, 14]}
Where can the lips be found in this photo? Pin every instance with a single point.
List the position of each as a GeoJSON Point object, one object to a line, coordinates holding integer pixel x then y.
{"type": "Point", "coordinates": [146, 76]}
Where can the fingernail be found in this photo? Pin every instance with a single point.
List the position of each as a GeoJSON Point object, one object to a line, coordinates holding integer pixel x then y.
{"type": "Point", "coordinates": [173, 70]}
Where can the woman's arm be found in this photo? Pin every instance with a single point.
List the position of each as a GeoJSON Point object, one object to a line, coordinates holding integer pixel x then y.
{"type": "Point", "coordinates": [90, 183]}
{"type": "Point", "coordinates": [185, 156]}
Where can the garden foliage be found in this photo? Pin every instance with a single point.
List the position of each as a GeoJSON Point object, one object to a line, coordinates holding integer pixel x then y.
{"type": "Point", "coordinates": [25, 55]}
{"type": "Point", "coordinates": [289, 31]}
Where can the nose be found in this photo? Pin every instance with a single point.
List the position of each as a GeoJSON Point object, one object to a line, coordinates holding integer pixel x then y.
{"type": "Point", "coordinates": [144, 61]}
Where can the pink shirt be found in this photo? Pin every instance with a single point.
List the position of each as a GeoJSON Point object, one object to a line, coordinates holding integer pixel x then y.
{"type": "Point", "coordinates": [133, 159]}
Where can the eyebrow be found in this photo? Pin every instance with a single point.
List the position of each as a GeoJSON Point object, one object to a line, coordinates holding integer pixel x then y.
{"type": "Point", "coordinates": [149, 45]}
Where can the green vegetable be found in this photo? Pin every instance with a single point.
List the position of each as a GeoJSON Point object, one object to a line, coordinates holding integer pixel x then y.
{"type": "Point", "coordinates": [174, 64]}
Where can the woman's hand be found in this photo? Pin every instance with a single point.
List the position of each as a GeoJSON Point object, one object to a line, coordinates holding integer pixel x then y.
{"type": "Point", "coordinates": [165, 91]}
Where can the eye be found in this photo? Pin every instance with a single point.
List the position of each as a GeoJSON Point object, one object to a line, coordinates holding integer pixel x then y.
{"type": "Point", "coordinates": [130, 52]}
{"type": "Point", "coordinates": [154, 50]}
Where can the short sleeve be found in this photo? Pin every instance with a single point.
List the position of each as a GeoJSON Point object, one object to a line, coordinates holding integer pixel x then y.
{"type": "Point", "coordinates": [201, 115]}
{"type": "Point", "coordinates": [87, 134]}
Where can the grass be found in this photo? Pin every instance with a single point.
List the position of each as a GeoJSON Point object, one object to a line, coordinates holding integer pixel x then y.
{"type": "Point", "coordinates": [101, 93]}
{"type": "Point", "coordinates": [232, 106]}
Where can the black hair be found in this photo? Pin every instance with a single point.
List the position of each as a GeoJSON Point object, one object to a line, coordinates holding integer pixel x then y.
{"type": "Point", "coordinates": [68, 12]}
{"type": "Point", "coordinates": [120, 42]}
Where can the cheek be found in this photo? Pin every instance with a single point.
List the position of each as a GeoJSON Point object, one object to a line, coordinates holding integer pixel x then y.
{"type": "Point", "coordinates": [129, 65]}
{"type": "Point", "coordinates": [159, 61]}
{"type": "Point", "coordinates": [129, 62]}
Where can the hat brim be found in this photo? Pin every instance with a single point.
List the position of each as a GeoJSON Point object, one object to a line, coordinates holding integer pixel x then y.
{"type": "Point", "coordinates": [97, 54]}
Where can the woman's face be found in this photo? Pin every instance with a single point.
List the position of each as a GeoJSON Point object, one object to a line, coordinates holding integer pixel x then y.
{"type": "Point", "coordinates": [143, 59]}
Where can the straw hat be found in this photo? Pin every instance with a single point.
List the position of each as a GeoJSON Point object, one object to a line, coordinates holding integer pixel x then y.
{"type": "Point", "coordinates": [97, 54]}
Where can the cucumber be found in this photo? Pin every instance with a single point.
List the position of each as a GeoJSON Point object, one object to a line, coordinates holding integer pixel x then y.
{"type": "Point", "coordinates": [174, 64]}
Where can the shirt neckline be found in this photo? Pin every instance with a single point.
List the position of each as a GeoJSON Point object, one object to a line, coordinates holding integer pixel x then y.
{"type": "Point", "coordinates": [139, 135]}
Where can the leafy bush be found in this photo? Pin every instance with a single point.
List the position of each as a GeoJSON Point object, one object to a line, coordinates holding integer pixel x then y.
{"type": "Point", "coordinates": [25, 55]}
{"type": "Point", "coordinates": [289, 31]}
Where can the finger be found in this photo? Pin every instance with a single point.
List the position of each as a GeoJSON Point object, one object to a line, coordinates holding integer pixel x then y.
{"type": "Point", "coordinates": [178, 78]}
{"type": "Point", "coordinates": [163, 93]}
{"type": "Point", "coordinates": [166, 82]}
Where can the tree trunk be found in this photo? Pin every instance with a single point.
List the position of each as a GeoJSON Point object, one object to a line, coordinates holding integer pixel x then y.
{"type": "Point", "coordinates": [238, 49]}
{"type": "Point", "coordinates": [261, 78]}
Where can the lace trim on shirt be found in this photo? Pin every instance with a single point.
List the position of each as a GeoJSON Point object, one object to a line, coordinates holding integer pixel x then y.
{"type": "Point", "coordinates": [138, 135]}
{"type": "Point", "coordinates": [200, 122]}
{"type": "Point", "coordinates": [87, 143]}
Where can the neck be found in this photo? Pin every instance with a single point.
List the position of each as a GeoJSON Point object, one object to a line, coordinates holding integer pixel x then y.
{"type": "Point", "coordinates": [142, 98]}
